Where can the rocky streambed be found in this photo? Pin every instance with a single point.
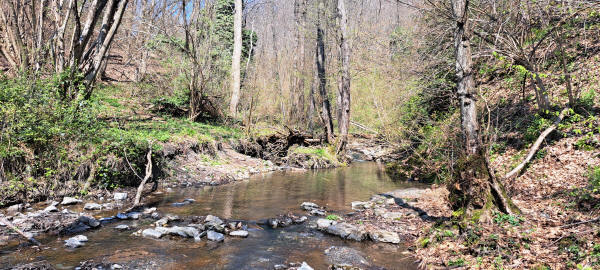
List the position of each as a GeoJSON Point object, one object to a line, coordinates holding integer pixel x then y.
{"type": "Point", "coordinates": [287, 220]}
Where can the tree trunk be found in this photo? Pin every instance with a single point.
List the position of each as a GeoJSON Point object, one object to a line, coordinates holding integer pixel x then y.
{"type": "Point", "coordinates": [320, 60]}
{"type": "Point", "coordinates": [104, 42]}
{"type": "Point", "coordinates": [475, 190]}
{"type": "Point", "coordinates": [344, 120]}
{"type": "Point", "coordinates": [563, 60]}
{"type": "Point", "coordinates": [236, 58]}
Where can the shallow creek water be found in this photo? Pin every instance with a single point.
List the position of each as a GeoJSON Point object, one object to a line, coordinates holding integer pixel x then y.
{"type": "Point", "coordinates": [261, 197]}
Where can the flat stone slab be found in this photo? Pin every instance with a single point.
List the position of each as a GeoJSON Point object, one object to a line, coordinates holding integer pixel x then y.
{"type": "Point", "coordinates": [239, 233]}
{"type": "Point", "coordinates": [152, 233]}
{"type": "Point", "coordinates": [70, 201]}
{"type": "Point", "coordinates": [384, 236]}
{"type": "Point", "coordinates": [92, 206]}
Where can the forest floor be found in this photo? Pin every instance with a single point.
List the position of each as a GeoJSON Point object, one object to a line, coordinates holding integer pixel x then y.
{"type": "Point", "coordinates": [557, 229]}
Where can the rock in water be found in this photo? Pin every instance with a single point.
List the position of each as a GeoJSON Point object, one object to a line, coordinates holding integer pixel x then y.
{"type": "Point", "coordinates": [120, 196]}
{"type": "Point", "coordinates": [92, 206]}
{"type": "Point", "coordinates": [347, 231]}
{"type": "Point", "coordinates": [239, 233]}
{"type": "Point", "coordinates": [122, 227]}
{"type": "Point", "coordinates": [345, 256]}
{"type": "Point", "coordinates": [213, 219]}
{"type": "Point", "coordinates": [69, 201]}
{"type": "Point", "coordinates": [384, 236]}
{"type": "Point", "coordinates": [76, 241]}
{"type": "Point", "coordinates": [323, 224]}
{"type": "Point", "coordinates": [50, 208]}
{"type": "Point", "coordinates": [215, 236]}
{"type": "Point", "coordinates": [305, 266]}
{"type": "Point", "coordinates": [152, 233]}
{"type": "Point", "coordinates": [309, 206]}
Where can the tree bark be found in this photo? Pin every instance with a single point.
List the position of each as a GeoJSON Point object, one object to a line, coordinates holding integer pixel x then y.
{"type": "Point", "coordinates": [236, 58]}
{"type": "Point", "coordinates": [320, 61]}
{"type": "Point", "coordinates": [475, 188]}
{"type": "Point", "coordinates": [344, 120]}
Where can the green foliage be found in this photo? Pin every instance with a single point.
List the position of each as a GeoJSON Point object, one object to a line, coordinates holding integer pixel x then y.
{"type": "Point", "coordinates": [501, 218]}
{"type": "Point", "coordinates": [333, 217]}
{"type": "Point", "coordinates": [458, 262]}
{"type": "Point", "coordinates": [594, 179]}
{"type": "Point", "coordinates": [587, 98]}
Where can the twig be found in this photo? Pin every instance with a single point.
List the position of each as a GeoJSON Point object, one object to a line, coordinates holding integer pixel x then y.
{"type": "Point", "coordinates": [580, 222]}
{"type": "Point", "coordinates": [536, 145]}
{"type": "Point", "coordinates": [14, 228]}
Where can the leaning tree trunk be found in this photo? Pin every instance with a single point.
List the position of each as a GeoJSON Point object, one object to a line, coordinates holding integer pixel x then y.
{"type": "Point", "coordinates": [344, 120]}
{"type": "Point", "coordinates": [320, 60]}
{"type": "Point", "coordinates": [475, 189]}
{"type": "Point", "coordinates": [236, 58]}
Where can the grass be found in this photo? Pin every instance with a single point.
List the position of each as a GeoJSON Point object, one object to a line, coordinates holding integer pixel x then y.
{"type": "Point", "coordinates": [321, 152]}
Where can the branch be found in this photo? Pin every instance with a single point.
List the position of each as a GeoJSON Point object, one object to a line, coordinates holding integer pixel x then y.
{"type": "Point", "coordinates": [537, 144]}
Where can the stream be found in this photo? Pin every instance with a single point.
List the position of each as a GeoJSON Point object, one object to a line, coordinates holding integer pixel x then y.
{"type": "Point", "coordinates": [260, 197]}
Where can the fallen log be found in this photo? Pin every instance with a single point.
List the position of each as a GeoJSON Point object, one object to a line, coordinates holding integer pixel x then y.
{"type": "Point", "coordinates": [536, 145]}
{"type": "Point", "coordinates": [14, 228]}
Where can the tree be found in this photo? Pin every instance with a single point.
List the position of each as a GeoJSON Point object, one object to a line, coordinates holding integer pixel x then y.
{"type": "Point", "coordinates": [321, 76]}
{"type": "Point", "coordinates": [236, 59]}
{"type": "Point", "coordinates": [344, 89]}
{"type": "Point", "coordinates": [475, 188]}
{"type": "Point", "coordinates": [23, 42]}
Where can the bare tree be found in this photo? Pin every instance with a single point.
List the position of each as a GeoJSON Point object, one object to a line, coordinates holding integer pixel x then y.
{"type": "Point", "coordinates": [320, 62]}
{"type": "Point", "coordinates": [476, 187]}
{"type": "Point", "coordinates": [236, 58]}
{"type": "Point", "coordinates": [344, 89]}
